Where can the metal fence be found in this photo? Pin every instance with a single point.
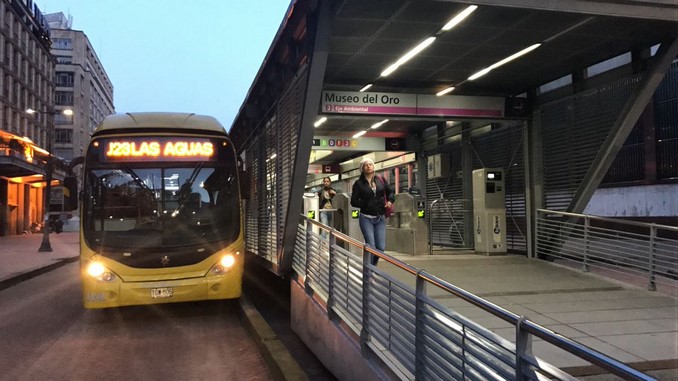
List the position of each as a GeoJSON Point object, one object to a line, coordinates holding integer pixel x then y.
{"type": "Point", "coordinates": [418, 338]}
{"type": "Point", "coordinates": [447, 224]}
{"type": "Point", "coordinates": [645, 251]}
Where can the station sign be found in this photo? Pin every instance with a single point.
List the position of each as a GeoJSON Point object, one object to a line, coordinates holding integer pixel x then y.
{"type": "Point", "coordinates": [366, 103]}
{"type": "Point", "coordinates": [316, 169]}
{"type": "Point", "coordinates": [342, 143]}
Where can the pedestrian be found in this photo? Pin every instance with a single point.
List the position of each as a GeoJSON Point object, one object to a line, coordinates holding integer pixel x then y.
{"type": "Point", "coordinates": [373, 195]}
{"type": "Point", "coordinates": [58, 225]}
{"type": "Point", "coordinates": [326, 195]}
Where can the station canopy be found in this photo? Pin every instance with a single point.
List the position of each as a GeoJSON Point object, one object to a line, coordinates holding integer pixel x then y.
{"type": "Point", "coordinates": [559, 38]}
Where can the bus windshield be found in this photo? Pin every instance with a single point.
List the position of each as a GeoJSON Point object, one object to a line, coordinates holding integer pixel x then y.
{"type": "Point", "coordinates": [180, 204]}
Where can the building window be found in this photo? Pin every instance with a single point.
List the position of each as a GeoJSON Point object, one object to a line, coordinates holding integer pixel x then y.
{"type": "Point", "coordinates": [62, 43]}
{"type": "Point", "coordinates": [64, 59]}
{"type": "Point", "coordinates": [62, 135]}
{"type": "Point", "coordinates": [63, 98]}
{"type": "Point", "coordinates": [64, 78]}
{"type": "Point", "coordinates": [62, 119]}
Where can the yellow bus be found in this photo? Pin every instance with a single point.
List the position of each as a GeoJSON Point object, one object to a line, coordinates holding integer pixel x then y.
{"type": "Point", "coordinates": [161, 214]}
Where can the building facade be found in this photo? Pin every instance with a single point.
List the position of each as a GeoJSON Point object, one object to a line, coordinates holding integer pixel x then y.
{"type": "Point", "coordinates": [26, 81]}
{"type": "Point", "coordinates": [81, 83]}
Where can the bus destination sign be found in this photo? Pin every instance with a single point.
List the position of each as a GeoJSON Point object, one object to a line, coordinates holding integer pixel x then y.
{"type": "Point", "coordinates": [155, 149]}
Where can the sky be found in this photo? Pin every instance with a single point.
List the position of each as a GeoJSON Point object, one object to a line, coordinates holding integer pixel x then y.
{"type": "Point", "coordinates": [196, 56]}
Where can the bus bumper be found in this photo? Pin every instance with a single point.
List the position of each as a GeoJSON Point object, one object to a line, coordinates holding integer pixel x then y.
{"type": "Point", "coordinates": [98, 294]}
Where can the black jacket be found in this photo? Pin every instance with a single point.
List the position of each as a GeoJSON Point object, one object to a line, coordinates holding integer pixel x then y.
{"type": "Point", "coordinates": [323, 201]}
{"type": "Point", "coordinates": [369, 202]}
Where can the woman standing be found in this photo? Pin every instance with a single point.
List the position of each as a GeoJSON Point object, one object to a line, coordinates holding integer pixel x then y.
{"type": "Point", "coordinates": [372, 194]}
{"type": "Point", "coordinates": [326, 195]}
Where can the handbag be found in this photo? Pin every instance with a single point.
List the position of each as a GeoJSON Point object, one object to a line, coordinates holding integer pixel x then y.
{"type": "Point", "coordinates": [389, 209]}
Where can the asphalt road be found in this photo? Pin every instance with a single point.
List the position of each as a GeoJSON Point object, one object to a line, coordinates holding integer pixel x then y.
{"type": "Point", "coordinates": [47, 335]}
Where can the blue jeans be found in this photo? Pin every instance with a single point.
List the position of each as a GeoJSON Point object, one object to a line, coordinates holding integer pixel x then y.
{"type": "Point", "coordinates": [374, 231]}
{"type": "Point", "coordinates": [325, 218]}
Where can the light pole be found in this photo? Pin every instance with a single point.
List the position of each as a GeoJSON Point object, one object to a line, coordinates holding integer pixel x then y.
{"type": "Point", "coordinates": [45, 246]}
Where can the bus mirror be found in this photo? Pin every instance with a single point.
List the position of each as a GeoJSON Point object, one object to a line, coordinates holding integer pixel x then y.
{"type": "Point", "coordinates": [70, 193]}
{"type": "Point", "coordinates": [244, 184]}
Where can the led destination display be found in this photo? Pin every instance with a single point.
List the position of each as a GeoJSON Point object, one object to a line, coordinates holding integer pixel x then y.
{"type": "Point", "coordinates": [155, 149]}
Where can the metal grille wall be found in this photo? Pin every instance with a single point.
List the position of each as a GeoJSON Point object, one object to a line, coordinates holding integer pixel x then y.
{"type": "Point", "coordinates": [504, 149]}
{"type": "Point", "coordinates": [666, 119]}
{"type": "Point", "coordinates": [447, 224]}
{"type": "Point", "coordinates": [573, 130]}
{"type": "Point", "coordinates": [270, 157]}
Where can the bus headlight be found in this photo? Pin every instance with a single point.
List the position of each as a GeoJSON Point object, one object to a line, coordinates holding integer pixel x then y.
{"type": "Point", "coordinates": [99, 272]}
{"type": "Point", "coordinates": [225, 263]}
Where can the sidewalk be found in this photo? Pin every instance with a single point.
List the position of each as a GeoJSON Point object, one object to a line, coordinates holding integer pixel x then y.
{"type": "Point", "coordinates": [20, 259]}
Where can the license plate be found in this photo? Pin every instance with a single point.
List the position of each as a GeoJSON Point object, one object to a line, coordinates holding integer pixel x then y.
{"type": "Point", "coordinates": [164, 292]}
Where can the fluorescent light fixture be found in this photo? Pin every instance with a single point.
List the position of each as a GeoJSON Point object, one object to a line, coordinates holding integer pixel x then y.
{"type": "Point", "coordinates": [30, 111]}
{"type": "Point", "coordinates": [68, 112]}
{"type": "Point", "coordinates": [504, 61]}
{"type": "Point", "coordinates": [359, 134]}
{"type": "Point", "coordinates": [320, 121]}
{"type": "Point", "coordinates": [378, 124]}
{"type": "Point", "coordinates": [479, 74]}
{"type": "Point", "coordinates": [444, 91]}
{"type": "Point", "coordinates": [366, 87]}
{"type": "Point", "coordinates": [274, 156]}
{"type": "Point", "coordinates": [459, 17]}
{"type": "Point", "coordinates": [408, 56]}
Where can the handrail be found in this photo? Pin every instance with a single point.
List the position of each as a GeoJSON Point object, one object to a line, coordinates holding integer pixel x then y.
{"type": "Point", "coordinates": [608, 219]}
{"type": "Point", "coordinates": [522, 323]}
{"type": "Point", "coordinates": [641, 254]}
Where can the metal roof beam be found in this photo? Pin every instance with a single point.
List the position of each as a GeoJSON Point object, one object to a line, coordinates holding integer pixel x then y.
{"type": "Point", "coordinates": [626, 120]}
{"type": "Point", "coordinates": [666, 10]}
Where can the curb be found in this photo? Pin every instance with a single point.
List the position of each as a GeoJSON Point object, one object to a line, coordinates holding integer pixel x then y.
{"type": "Point", "coordinates": [9, 282]}
{"type": "Point", "coordinates": [280, 361]}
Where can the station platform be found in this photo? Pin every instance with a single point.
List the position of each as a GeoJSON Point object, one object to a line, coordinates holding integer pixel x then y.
{"type": "Point", "coordinates": [622, 320]}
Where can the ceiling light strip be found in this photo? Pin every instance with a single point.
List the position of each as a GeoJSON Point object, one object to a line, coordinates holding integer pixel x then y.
{"type": "Point", "coordinates": [320, 121]}
{"type": "Point", "coordinates": [445, 91]}
{"type": "Point", "coordinates": [504, 61]}
{"type": "Point", "coordinates": [359, 134]}
{"type": "Point", "coordinates": [378, 124]}
{"type": "Point", "coordinates": [365, 88]}
{"type": "Point", "coordinates": [408, 56]}
{"type": "Point", "coordinates": [459, 17]}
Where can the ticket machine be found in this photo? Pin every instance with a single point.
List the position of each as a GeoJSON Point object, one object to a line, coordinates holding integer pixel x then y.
{"type": "Point", "coordinates": [489, 211]}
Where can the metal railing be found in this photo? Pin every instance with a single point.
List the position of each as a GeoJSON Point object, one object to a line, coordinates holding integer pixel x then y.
{"type": "Point", "coordinates": [645, 251]}
{"type": "Point", "coordinates": [417, 337]}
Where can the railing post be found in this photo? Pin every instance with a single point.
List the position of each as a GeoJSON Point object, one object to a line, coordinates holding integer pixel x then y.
{"type": "Point", "coordinates": [523, 346]}
{"type": "Point", "coordinates": [652, 286]}
{"type": "Point", "coordinates": [535, 254]}
{"type": "Point", "coordinates": [419, 345]}
{"type": "Point", "coordinates": [332, 260]}
{"type": "Point", "coordinates": [364, 333]}
{"type": "Point", "coordinates": [585, 265]}
{"type": "Point", "coordinates": [309, 231]}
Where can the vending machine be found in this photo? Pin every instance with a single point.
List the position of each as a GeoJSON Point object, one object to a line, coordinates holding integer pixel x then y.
{"type": "Point", "coordinates": [489, 211]}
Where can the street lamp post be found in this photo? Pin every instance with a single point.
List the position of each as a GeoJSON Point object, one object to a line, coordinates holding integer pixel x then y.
{"type": "Point", "coordinates": [45, 246]}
